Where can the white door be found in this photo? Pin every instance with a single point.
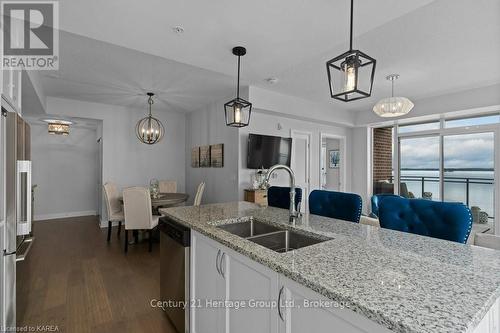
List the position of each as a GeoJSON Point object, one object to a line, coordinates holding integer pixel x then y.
{"type": "Point", "coordinates": [205, 285]}
{"type": "Point", "coordinates": [300, 162]}
{"type": "Point", "coordinates": [247, 280]}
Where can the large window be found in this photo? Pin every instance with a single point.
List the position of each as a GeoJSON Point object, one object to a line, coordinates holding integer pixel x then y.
{"type": "Point", "coordinates": [450, 160]}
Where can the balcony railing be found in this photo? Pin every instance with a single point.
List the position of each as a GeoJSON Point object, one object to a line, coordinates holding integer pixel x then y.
{"type": "Point", "coordinates": [468, 181]}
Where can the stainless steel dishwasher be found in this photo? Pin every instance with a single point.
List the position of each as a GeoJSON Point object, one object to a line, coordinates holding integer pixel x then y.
{"type": "Point", "coordinates": [175, 240]}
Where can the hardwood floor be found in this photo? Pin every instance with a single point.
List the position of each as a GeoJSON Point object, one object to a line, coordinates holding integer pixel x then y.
{"type": "Point", "coordinates": [74, 279]}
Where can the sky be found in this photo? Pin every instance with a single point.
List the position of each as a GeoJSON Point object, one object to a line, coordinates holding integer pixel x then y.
{"type": "Point", "coordinates": [460, 151]}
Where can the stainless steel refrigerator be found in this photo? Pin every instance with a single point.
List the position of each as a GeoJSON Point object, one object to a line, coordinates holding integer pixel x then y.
{"type": "Point", "coordinates": [17, 211]}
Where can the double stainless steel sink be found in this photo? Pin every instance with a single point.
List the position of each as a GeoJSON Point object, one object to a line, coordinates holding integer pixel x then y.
{"type": "Point", "coordinates": [270, 236]}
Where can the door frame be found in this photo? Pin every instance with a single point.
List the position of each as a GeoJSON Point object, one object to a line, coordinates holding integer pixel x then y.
{"type": "Point", "coordinates": [309, 135]}
{"type": "Point", "coordinates": [343, 149]}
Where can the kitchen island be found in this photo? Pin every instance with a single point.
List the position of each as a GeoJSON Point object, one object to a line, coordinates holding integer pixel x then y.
{"type": "Point", "coordinates": [361, 278]}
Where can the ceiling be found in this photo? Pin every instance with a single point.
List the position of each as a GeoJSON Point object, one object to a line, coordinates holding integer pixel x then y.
{"type": "Point", "coordinates": [117, 50]}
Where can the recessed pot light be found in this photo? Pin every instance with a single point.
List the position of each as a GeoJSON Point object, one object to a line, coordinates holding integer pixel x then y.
{"type": "Point", "coordinates": [178, 29]}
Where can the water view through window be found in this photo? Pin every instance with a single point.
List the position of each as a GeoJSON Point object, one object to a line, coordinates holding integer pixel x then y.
{"type": "Point", "coordinates": [468, 169]}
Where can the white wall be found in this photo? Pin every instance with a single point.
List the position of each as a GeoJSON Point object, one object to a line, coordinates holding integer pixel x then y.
{"type": "Point", "coordinates": [359, 157]}
{"type": "Point", "coordinates": [65, 170]}
{"type": "Point", "coordinates": [126, 161]}
{"type": "Point", "coordinates": [264, 123]}
{"type": "Point", "coordinates": [205, 127]}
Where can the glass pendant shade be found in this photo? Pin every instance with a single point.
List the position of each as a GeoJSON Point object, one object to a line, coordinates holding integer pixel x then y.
{"type": "Point", "coordinates": [149, 130]}
{"type": "Point", "coordinates": [351, 74]}
{"type": "Point", "coordinates": [238, 110]}
{"type": "Point", "coordinates": [393, 106]}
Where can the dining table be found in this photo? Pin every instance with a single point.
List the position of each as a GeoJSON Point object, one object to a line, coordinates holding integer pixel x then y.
{"type": "Point", "coordinates": [166, 199]}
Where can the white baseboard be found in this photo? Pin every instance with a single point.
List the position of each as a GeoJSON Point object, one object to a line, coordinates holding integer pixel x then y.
{"type": "Point", "coordinates": [63, 215]}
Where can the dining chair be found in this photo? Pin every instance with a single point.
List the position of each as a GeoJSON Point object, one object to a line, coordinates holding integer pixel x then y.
{"type": "Point", "coordinates": [337, 205]}
{"type": "Point", "coordinates": [167, 186]}
{"type": "Point", "coordinates": [138, 213]}
{"type": "Point", "coordinates": [113, 207]}
{"type": "Point", "coordinates": [445, 220]}
{"type": "Point", "coordinates": [199, 194]}
{"type": "Point", "coordinates": [279, 196]}
{"type": "Point", "coordinates": [376, 199]}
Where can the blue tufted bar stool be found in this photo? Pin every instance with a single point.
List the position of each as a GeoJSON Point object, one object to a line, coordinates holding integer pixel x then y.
{"type": "Point", "coordinates": [338, 205]}
{"type": "Point", "coordinates": [377, 198]}
{"type": "Point", "coordinates": [278, 196]}
{"type": "Point", "coordinates": [445, 220]}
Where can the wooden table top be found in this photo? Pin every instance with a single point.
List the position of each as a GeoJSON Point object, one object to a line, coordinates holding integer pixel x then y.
{"type": "Point", "coordinates": [167, 199]}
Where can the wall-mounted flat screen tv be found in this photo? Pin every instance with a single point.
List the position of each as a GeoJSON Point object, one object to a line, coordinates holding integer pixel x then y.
{"type": "Point", "coordinates": [265, 151]}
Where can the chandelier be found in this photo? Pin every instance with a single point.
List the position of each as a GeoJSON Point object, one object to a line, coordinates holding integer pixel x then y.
{"type": "Point", "coordinates": [393, 106]}
{"type": "Point", "coordinates": [149, 130]}
{"type": "Point", "coordinates": [58, 127]}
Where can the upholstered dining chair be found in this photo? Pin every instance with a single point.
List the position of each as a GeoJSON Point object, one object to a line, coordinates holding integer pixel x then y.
{"type": "Point", "coordinates": [113, 207]}
{"type": "Point", "coordinates": [279, 196]}
{"type": "Point", "coordinates": [445, 220]}
{"type": "Point", "coordinates": [199, 194]}
{"type": "Point", "coordinates": [167, 186]}
{"type": "Point", "coordinates": [338, 205]}
{"type": "Point", "coordinates": [138, 213]}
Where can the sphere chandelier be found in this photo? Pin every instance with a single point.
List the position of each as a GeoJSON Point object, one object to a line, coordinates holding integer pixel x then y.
{"type": "Point", "coordinates": [149, 130]}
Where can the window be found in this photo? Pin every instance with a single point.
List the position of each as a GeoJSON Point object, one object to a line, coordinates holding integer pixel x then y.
{"type": "Point", "coordinates": [419, 127]}
{"type": "Point", "coordinates": [473, 121]}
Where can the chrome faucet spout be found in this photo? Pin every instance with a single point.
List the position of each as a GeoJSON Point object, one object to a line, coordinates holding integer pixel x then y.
{"type": "Point", "coordinates": [292, 211]}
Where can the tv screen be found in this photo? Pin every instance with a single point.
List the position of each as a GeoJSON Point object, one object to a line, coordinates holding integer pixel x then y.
{"type": "Point", "coordinates": [265, 151]}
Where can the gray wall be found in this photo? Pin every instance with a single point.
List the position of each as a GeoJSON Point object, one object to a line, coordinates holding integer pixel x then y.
{"type": "Point", "coordinates": [65, 169]}
{"type": "Point", "coordinates": [205, 127]}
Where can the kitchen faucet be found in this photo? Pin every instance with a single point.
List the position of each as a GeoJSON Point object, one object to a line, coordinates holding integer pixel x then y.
{"type": "Point", "coordinates": [293, 212]}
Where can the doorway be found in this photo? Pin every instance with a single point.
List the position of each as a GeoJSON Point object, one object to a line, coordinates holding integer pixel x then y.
{"type": "Point", "coordinates": [301, 164]}
{"type": "Point", "coordinates": [332, 162]}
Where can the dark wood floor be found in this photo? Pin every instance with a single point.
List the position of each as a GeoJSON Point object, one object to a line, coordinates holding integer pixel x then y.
{"type": "Point", "coordinates": [74, 279]}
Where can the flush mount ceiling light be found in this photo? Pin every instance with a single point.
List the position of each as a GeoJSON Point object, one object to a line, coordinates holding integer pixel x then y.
{"type": "Point", "coordinates": [57, 126]}
{"type": "Point", "coordinates": [393, 106]}
{"type": "Point", "coordinates": [238, 110]}
{"type": "Point", "coordinates": [350, 75]}
{"type": "Point", "coordinates": [149, 130]}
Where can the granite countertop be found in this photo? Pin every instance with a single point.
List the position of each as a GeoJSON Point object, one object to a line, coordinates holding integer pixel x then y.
{"type": "Point", "coordinates": [405, 282]}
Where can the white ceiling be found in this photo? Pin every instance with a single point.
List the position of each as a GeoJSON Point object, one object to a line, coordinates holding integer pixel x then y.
{"type": "Point", "coordinates": [101, 72]}
{"type": "Point", "coordinates": [438, 47]}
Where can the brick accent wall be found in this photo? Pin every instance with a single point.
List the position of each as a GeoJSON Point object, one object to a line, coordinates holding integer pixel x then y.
{"type": "Point", "coordinates": [382, 153]}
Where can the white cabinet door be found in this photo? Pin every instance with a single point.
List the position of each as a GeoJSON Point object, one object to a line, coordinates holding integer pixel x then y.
{"type": "Point", "coordinates": [300, 314]}
{"type": "Point", "coordinates": [206, 283]}
{"type": "Point", "coordinates": [254, 287]}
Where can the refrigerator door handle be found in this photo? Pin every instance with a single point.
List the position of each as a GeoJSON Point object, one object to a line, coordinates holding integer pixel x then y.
{"type": "Point", "coordinates": [24, 200]}
{"type": "Point", "coordinates": [28, 242]}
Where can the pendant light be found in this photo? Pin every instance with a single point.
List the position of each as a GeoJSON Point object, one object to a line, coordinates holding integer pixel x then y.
{"type": "Point", "coordinates": [393, 106]}
{"type": "Point", "coordinates": [238, 110]}
{"type": "Point", "coordinates": [350, 75]}
{"type": "Point", "coordinates": [149, 130]}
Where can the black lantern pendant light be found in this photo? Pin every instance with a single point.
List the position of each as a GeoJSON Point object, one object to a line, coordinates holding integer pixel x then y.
{"type": "Point", "coordinates": [238, 110]}
{"type": "Point", "coordinates": [149, 130]}
{"type": "Point", "coordinates": [351, 74]}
